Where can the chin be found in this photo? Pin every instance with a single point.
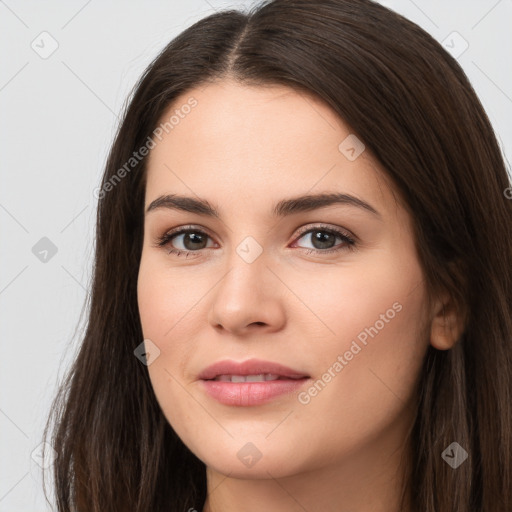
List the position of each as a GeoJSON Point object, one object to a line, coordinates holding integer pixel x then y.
{"type": "Point", "coordinates": [261, 470]}
{"type": "Point", "coordinates": [258, 460]}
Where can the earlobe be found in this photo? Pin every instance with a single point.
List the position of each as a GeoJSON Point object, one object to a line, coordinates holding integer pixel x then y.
{"type": "Point", "coordinates": [446, 326]}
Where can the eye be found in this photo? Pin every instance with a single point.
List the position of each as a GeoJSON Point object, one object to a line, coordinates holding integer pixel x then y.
{"type": "Point", "coordinates": [323, 239]}
{"type": "Point", "coordinates": [189, 238]}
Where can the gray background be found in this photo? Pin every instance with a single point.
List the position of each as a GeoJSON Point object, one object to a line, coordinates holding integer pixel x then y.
{"type": "Point", "coordinates": [59, 114]}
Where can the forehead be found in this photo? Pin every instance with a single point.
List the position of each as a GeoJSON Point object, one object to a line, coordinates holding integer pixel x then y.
{"type": "Point", "coordinates": [258, 144]}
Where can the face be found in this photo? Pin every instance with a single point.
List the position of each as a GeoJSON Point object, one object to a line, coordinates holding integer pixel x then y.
{"type": "Point", "coordinates": [331, 290]}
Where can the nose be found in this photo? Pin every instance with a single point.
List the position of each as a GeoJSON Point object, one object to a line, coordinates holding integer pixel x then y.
{"type": "Point", "coordinates": [248, 298]}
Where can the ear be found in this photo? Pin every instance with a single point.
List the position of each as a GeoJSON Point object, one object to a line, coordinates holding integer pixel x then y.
{"type": "Point", "coordinates": [447, 324]}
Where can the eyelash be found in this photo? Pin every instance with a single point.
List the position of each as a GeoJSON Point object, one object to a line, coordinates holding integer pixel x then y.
{"type": "Point", "coordinates": [348, 242]}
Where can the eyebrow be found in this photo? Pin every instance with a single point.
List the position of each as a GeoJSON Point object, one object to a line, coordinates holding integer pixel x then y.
{"type": "Point", "coordinates": [283, 208]}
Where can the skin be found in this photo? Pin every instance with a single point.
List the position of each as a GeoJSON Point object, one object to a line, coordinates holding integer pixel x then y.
{"type": "Point", "coordinates": [244, 149]}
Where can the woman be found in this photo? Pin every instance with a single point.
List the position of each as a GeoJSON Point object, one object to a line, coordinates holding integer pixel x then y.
{"type": "Point", "coordinates": [302, 287]}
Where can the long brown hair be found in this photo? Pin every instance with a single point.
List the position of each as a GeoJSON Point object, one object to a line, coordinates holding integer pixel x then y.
{"type": "Point", "coordinates": [414, 108]}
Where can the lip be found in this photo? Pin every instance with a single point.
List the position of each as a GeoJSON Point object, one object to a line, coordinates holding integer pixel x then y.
{"type": "Point", "coordinates": [249, 367]}
{"type": "Point", "coordinates": [250, 393]}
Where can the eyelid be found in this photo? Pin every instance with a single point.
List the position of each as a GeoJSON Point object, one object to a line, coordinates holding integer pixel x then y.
{"type": "Point", "coordinates": [306, 229]}
{"type": "Point", "coordinates": [187, 227]}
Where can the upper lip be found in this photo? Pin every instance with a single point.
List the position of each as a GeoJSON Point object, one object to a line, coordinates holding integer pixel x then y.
{"type": "Point", "coordinates": [249, 367]}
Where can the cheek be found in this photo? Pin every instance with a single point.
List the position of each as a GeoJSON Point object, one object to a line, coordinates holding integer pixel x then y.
{"type": "Point", "coordinates": [155, 299]}
{"type": "Point", "coordinates": [165, 298]}
{"type": "Point", "coordinates": [163, 301]}
{"type": "Point", "coordinates": [172, 315]}
{"type": "Point", "coordinates": [369, 364]}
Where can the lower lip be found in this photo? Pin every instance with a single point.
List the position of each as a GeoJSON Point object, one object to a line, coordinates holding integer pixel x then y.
{"type": "Point", "coordinates": [250, 393]}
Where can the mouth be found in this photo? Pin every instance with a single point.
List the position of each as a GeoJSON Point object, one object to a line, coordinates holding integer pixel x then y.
{"type": "Point", "coordinates": [251, 382]}
{"type": "Point", "coordinates": [262, 377]}
{"type": "Point", "coordinates": [251, 370]}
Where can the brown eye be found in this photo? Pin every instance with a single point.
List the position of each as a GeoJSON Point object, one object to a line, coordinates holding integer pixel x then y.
{"type": "Point", "coordinates": [324, 240]}
{"type": "Point", "coordinates": [184, 241]}
{"type": "Point", "coordinates": [192, 240]}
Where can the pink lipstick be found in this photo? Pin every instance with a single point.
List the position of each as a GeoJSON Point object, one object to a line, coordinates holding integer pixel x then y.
{"type": "Point", "coordinates": [251, 382]}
